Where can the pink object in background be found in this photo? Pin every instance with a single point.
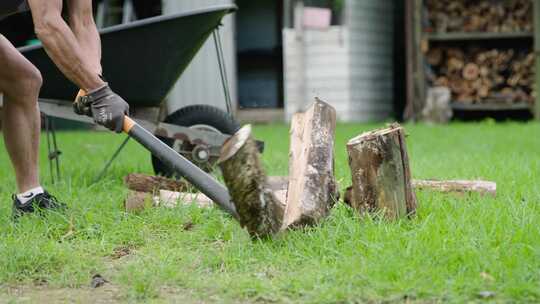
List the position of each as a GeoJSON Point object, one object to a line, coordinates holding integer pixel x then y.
{"type": "Point", "coordinates": [317, 18]}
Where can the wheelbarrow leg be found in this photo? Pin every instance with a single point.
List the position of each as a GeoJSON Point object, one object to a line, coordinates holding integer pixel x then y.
{"type": "Point", "coordinates": [111, 160]}
{"type": "Point", "coordinates": [222, 70]}
{"type": "Point", "coordinates": [52, 148]}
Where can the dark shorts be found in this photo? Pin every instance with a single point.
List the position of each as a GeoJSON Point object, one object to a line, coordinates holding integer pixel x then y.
{"type": "Point", "coordinates": [10, 7]}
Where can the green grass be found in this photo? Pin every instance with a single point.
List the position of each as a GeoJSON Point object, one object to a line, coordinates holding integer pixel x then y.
{"type": "Point", "coordinates": [454, 249]}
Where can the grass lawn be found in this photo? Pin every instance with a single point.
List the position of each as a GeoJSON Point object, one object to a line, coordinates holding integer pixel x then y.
{"type": "Point", "coordinates": [456, 249]}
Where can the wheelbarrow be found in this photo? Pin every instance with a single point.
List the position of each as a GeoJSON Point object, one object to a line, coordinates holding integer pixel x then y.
{"type": "Point", "coordinates": [142, 61]}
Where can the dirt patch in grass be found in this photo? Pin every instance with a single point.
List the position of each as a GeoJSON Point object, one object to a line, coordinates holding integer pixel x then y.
{"type": "Point", "coordinates": [40, 294]}
{"type": "Point", "coordinates": [103, 295]}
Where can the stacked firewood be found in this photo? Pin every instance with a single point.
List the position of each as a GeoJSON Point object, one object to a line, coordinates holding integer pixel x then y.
{"type": "Point", "coordinates": [477, 75]}
{"type": "Point", "coordinates": [497, 16]}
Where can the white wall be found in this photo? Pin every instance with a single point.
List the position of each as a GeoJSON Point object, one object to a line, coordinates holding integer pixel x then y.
{"type": "Point", "coordinates": [201, 82]}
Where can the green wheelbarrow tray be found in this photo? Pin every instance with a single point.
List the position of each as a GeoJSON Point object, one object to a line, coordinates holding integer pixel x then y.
{"type": "Point", "coordinates": [141, 60]}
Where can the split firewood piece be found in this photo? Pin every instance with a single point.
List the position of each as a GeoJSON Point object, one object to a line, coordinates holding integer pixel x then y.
{"type": "Point", "coordinates": [138, 201]}
{"type": "Point", "coordinates": [260, 212]}
{"type": "Point", "coordinates": [269, 206]}
{"type": "Point", "coordinates": [380, 173]}
{"type": "Point", "coordinates": [171, 199]}
{"type": "Point", "coordinates": [312, 189]}
{"type": "Point", "coordinates": [458, 186]}
{"type": "Point", "coordinates": [152, 184]}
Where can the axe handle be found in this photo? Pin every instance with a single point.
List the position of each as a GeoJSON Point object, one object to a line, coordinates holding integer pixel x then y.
{"type": "Point", "coordinates": [195, 175]}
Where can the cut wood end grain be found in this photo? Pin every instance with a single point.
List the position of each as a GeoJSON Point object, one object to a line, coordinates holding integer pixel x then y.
{"type": "Point", "coordinates": [373, 134]}
{"type": "Point", "coordinates": [231, 146]}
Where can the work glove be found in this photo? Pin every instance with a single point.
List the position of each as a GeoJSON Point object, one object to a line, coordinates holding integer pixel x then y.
{"type": "Point", "coordinates": [106, 107]}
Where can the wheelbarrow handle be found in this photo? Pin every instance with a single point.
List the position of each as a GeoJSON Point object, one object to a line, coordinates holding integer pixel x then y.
{"type": "Point", "coordinates": [195, 175]}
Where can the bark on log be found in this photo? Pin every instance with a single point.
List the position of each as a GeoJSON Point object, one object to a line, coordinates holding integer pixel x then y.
{"type": "Point", "coordinates": [312, 189]}
{"type": "Point", "coordinates": [380, 173]}
{"type": "Point", "coordinates": [152, 184]}
{"type": "Point", "coordinates": [260, 212]}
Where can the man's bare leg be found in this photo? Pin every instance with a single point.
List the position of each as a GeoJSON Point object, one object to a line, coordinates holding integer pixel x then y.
{"type": "Point", "coordinates": [20, 83]}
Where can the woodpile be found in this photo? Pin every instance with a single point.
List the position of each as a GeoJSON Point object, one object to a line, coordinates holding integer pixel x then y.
{"type": "Point", "coordinates": [476, 75]}
{"type": "Point", "coordinates": [496, 16]}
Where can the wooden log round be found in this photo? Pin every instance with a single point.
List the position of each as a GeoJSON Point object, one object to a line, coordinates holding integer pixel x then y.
{"type": "Point", "coordinates": [260, 212]}
{"type": "Point", "coordinates": [380, 173]}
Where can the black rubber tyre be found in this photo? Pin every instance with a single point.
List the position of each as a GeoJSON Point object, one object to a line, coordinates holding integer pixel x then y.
{"type": "Point", "coordinates": [191, 116]}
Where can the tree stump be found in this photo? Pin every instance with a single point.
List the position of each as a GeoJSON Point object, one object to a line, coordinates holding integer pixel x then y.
{"type": "Point", "coordinates": [312, 189]}
{"type": "Point", "coordinates": [380, 173]}
{"type": "Point", "coordinates": [260, 212]}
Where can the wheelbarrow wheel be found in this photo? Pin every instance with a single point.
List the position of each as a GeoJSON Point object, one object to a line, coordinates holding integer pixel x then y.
{"type": "Point", "coordinates": [202, 117]}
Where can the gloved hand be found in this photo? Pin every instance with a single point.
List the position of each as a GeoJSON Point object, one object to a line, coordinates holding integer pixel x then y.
{"type": "Point", "coordinates": [107, 108]}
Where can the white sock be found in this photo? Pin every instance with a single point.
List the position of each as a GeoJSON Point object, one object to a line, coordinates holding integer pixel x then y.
{"type": "Point", "coordinates": [30, 194]}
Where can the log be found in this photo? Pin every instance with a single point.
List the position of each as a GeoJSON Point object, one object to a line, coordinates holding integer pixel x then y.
{"type": "Point", "coordinates": [260, 212]}
{"type": "Point", "coordinates": [458, 186]}
{"type": "Point", "coordinates": [471, 71]}
{"type": "Point", "coordinates": [312, 189]}
{"type": "Point", "coordinates": [152, 184]}
{"type": "Point", "coordinates": [380, 173]}
{"type": "Point", "coordinates": [446, 186]}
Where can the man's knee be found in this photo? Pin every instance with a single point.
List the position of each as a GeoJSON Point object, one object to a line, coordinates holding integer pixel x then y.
{"type": "Point", "coordinates": [34, 78]}
{"type": "Point", "coordinates": [25, 81]}
{"type": "Point", "coordinates": [30, 80]}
